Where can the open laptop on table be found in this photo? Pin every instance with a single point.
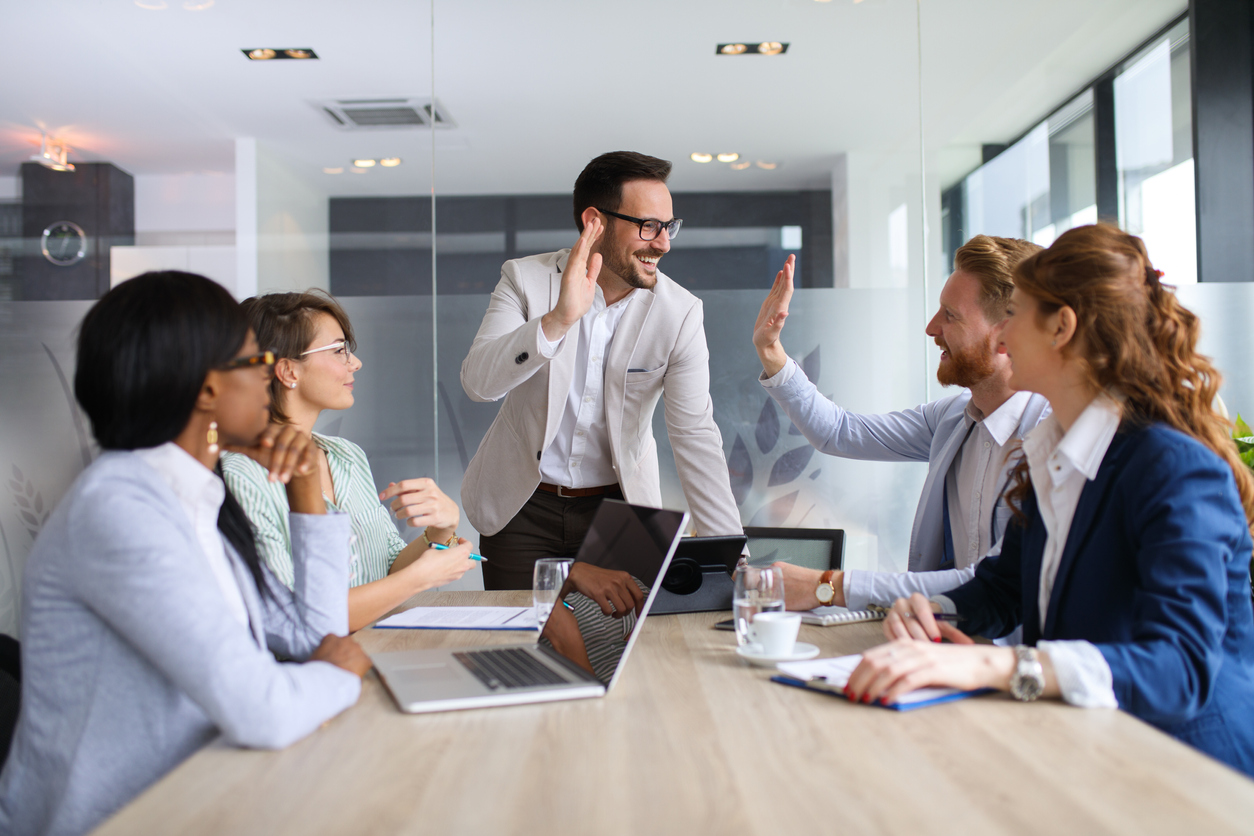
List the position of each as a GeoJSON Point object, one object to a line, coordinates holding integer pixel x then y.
{"type": "Point", "coordinates": [630, 538]}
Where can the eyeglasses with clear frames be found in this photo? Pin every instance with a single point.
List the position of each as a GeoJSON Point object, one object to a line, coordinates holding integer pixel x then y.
{"type": "Point", "coordinates": [341, 350]}
{"type": "Point", "coordinates": [650, 228]}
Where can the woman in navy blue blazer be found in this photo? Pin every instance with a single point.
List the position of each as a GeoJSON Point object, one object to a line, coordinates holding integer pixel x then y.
{"type": "Point", "coordinates": [1129, 567]}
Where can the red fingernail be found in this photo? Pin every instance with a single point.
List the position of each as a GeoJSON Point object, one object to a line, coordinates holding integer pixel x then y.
{"type": "Point", "coordinates": [866, 699]}
{"type": "Point", "coordinates": [852, 697]}
{"type": "Point", "coordinates": [937, 639]}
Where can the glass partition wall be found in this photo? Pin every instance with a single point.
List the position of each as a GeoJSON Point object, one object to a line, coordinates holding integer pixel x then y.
{"type": "Point", "coordinates": [398, 154]}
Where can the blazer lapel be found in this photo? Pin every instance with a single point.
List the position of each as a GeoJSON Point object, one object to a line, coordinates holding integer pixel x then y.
{"type": "Point", "coordinates": [561, 369]}
{"type": "Point", "coordinates": [626, 337]}
{"type": "Point", "coordinates": [1087, 511]}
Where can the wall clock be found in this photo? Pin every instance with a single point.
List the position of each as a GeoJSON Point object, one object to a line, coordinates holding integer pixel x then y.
{"type": "Point", "coordinates": [64, 243]}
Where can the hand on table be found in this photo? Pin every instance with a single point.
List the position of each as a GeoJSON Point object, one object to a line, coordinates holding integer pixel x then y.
{"type": "Point", "coordinates": [344, 653]}
{"type": "Point", "coordinates": [912, 618]}
{"type": "Point", "coordinates": [891, 670]}
{"type": "Point", "coordinates": [770, 322]}
{"type": "Point", "coordinates": [422, 504]}
{"type": "Point", "coordinates": [615, 591]}
{"type": "Point", "coordinates": [579, 284]}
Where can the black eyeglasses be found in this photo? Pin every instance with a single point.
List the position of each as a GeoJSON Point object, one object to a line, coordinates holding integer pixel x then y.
{"type": "Point", "coordinates": [264, 358]}
{"type": "Point", "coordinates": [650, 228]}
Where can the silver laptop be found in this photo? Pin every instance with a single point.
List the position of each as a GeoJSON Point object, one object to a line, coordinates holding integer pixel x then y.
{"type": "Point", "coordinates": [581, 651]}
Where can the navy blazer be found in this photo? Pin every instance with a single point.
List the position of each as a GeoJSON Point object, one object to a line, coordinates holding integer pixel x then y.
{"type": "Point", "coordinates": [1156, 574]}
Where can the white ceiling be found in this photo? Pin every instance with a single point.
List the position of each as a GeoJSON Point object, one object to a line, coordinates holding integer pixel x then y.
{"type": "Point", "coordinates": [537, 88]}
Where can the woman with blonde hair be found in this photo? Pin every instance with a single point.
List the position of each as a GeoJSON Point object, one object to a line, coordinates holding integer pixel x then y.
{"type": "Point", "coordinates": [1129, 564]}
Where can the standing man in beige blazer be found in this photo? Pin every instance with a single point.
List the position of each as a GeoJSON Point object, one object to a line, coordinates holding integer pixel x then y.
{"type": "Point", "coordinates": [581, 343]}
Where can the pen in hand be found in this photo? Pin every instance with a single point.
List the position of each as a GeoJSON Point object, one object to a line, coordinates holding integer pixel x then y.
{"type": "Point", "coordinates": [473, 556]}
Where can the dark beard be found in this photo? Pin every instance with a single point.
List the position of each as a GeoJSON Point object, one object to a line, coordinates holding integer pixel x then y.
{"type": "Point", "coordinates": [630, 271]}
{"type": "Point", "coordinates": [968, 368]}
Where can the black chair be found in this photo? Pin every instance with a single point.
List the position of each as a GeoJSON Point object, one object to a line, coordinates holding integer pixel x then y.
{"type": "Point", "coordinates": [813, 548]}
{"type": "Point", "coordinates": [10, 691]}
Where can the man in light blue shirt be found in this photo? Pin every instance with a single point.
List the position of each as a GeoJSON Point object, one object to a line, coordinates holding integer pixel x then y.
{"type": "Point", "coordinates": [970, 440]}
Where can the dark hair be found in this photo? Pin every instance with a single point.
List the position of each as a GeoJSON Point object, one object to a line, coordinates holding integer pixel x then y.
{"type": "Point", "coordinates": [284, 324]}
{"type": "Point", "coordinates": [600, 184]}
{"type": "Point", "coordinates": [144, 351]}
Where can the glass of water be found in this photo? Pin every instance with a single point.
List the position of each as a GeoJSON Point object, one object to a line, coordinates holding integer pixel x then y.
{"type": "Point", "coordinates": [758, 589]}
{"type": "Point", "coordinates": [547, 581]}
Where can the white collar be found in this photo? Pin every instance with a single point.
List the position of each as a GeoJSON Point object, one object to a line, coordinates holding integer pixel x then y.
{"type": "Point", "coordinates": [1084, 445]}
{"type": "Point", "coordinates": [1004, 420]}
{"type": "Point", "coordinates": [196, 486]}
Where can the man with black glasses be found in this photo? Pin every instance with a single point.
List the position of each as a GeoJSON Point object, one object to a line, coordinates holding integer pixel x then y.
{"type": "Point", "coordinates": [581, 343]}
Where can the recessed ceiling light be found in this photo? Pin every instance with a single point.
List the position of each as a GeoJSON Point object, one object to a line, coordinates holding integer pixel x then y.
{"type": "Point", "coordinates": [269, 53]}
{"type": "Point", "coordinates": [761, 48]}
{"type": "Point", "coordinates": [363, 163]}
{"type": "Point", "coordinates": [390, 162]}
{"type": "Point", "coordinates": [197, 5]}
{"type": "Point", "coordinates": [767, 166]}
{"type": "Point", "coordinates": [741, 166]}
{"type": "Point", "coordinates": [357, 170]}
{"type": "Point", "coordinates": [152, 5]}
{"type": "Point", "coordinates": [729, 157]}
{"type": "Point", "coordinates": [699, 157]}
{"type": "Point", "coordinates": [339, 170]}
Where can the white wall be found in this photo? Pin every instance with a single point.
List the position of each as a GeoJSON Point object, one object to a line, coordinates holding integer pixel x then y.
{"type": "Point", "coordinates": [174, 209]}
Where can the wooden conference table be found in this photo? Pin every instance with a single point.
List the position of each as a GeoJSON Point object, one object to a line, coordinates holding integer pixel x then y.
{"type": "Point", "coordinates": [694, 741]}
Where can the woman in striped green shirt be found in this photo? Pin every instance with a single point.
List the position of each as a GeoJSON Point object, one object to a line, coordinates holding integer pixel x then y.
{"type": "Point", "coordinates": [313, 339]}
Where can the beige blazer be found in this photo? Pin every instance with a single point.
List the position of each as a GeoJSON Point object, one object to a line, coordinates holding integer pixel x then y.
{"type": "Point", "coordinates": [661, 332]}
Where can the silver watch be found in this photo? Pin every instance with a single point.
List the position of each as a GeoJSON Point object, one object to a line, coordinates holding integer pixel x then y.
{"type": "Point", "coordinates": [1028, 681]}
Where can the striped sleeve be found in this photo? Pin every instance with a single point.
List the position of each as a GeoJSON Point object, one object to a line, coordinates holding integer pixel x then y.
{"type": "Point", "coordinates": [377, 542]}
{"type": "Point", "coordinates": [265, 503]}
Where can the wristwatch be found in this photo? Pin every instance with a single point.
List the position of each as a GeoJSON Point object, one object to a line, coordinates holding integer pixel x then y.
{"type": "Point", "coordinates": [1028, 681]}
{"type": "Point", "coordinates": [825, 592]}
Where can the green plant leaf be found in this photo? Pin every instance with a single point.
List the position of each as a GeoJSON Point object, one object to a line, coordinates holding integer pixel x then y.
{"type": "Point", "coordinates": [1240, 429]}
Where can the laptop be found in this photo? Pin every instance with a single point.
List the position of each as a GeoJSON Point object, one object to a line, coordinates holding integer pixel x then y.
{"type": "Point", "coordinates": [593, 647]}
{"type": "Point", "coordinates": [700, 575]}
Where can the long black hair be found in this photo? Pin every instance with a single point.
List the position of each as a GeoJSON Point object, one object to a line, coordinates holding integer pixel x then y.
{"type": "Point", "coordinates": [144, 351]}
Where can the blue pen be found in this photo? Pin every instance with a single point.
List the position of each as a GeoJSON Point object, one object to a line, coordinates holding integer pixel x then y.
{"type": "Point", "coordinates": [473, 556]}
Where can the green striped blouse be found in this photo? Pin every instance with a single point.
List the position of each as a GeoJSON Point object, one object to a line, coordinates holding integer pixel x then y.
{"type": "Point", "coordinates": [375, 540]}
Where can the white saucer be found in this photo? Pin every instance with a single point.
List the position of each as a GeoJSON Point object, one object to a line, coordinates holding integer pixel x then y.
{"type": "Point", "coordinates": [800, 652]}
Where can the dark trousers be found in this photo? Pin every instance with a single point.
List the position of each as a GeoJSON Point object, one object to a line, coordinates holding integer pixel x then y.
{"type": "Point", "coordinates": [547, 526]}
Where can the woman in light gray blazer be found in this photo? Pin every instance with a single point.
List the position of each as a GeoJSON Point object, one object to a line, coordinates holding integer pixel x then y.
{"type": "Point", "coordinates": [149, 623]}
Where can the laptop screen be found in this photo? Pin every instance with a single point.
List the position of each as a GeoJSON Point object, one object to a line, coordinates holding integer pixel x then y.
{"type": "Point", "coordinates": [610, 587]}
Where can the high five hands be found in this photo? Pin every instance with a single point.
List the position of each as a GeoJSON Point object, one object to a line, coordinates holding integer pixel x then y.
{"type": "Point", "coordinates": [771, 318]}
{"type": "Point", "coordinates": [579, 284]}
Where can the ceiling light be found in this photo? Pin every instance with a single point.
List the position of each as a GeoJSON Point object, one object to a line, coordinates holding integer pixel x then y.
{"type": "Point", "coordinates": [730, 157]}
{"type": "Point", "coordinates": [741, 166]}
{"type": "Point", "coordinates": [390, 162]}
{"type": "Point", "coordinates": [197, 5]}
{"type": "Point", "coordinates": [152, 5]}
{"type": "Point", "coordinates": [698, 157]}
{"type": "Point", "coordinates": [268, 53]}
{"type": "Point", "coordinates": [339, 170]}
{"type": "Point", "coordinates": [363, 163]}
{"type": "Point", "coordinates": [357, 170]}
{"type": "Point", "coordinates": [52, 154]}
{"type": "Point", "coordinates": [762, 48]}
{"type": "Point", "coordinates": [767, 166]}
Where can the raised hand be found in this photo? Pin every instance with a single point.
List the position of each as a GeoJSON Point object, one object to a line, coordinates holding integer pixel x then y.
{"type": "Point", "coordinates": [421, 503]}
{"type": "Point", "coordinates": [770, 322]}
{"type": "Point", "coordinates": [579, 284]}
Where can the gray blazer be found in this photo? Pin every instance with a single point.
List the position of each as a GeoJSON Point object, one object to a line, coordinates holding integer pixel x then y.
{"type": "Point", "coordinates": [131, 660]}
{"type": "Point", "coordinates": [931, 433]}
{"type": "Point", "coordinates": [659, 349]}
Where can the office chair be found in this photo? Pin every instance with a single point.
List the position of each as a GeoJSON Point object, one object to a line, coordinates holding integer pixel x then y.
{"type": "Point", "coordinates": [813, 548]}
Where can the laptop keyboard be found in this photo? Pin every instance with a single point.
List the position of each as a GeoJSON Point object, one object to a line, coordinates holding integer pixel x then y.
{"type": "Point", "coordinates": [508, 667]}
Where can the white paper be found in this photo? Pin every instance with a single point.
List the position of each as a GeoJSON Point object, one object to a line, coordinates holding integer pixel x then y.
{"type": "Point", "coordinates": [464, 618]}
{"type": "Point", "coordinates": [835, 672]}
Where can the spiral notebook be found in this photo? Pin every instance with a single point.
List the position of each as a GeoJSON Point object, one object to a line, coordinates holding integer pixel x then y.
{"type": "Point", "coordinates": [827, 616]}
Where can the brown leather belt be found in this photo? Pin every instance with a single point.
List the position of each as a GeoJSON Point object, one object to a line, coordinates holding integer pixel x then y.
{"type": "Point", "coordinates": [572, 493]}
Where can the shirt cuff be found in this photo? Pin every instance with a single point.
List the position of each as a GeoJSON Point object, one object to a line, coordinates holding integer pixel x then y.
{"type": "Point", "coordinates": [546, 348]}
{"type": "Point", "coordinates": [780, 377]}
{"type": "Point", "coordinates": [1084, 676]}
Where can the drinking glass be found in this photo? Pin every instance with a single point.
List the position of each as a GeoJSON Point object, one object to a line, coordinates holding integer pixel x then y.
{"type": "Point", "coordinates": [759, 589]}
{"type": "Point", "coordinates": [547, 581]}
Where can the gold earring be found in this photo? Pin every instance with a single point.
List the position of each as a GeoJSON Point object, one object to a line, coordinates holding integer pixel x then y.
{"type": "Point", "coordinates": [212, 437]}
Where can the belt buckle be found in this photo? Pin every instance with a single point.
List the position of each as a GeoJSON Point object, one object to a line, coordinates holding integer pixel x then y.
{"type": "Point", "coordinates": [562, 495]}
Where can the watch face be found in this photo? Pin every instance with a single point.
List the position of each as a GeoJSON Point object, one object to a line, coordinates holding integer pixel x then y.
{"type": "Point", "coordinates": [825, 593]}
{"type": "Point", "coordinates": [64, 243]}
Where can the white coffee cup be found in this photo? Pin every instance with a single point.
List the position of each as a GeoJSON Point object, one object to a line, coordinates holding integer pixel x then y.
{"type": "Point", "coordinates": [775, 632]}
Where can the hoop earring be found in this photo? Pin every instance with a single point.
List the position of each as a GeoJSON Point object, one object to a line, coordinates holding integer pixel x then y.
{"type": "Point", "coordinates": [212, 437]}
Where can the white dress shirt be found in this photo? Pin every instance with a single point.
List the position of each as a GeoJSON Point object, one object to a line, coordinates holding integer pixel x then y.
{"type": "Point", "coordinates": [200, 493]}
{"type": "Point", "coordinates": [1060, 466]}
{"type": "Point", "coordinates": [974, 480]}
{"type": "Point", "coordinates": [580, 456]}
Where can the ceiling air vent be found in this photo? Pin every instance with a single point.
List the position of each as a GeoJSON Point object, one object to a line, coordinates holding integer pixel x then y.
{"type": "Point", "coordinates": [384, 114]}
